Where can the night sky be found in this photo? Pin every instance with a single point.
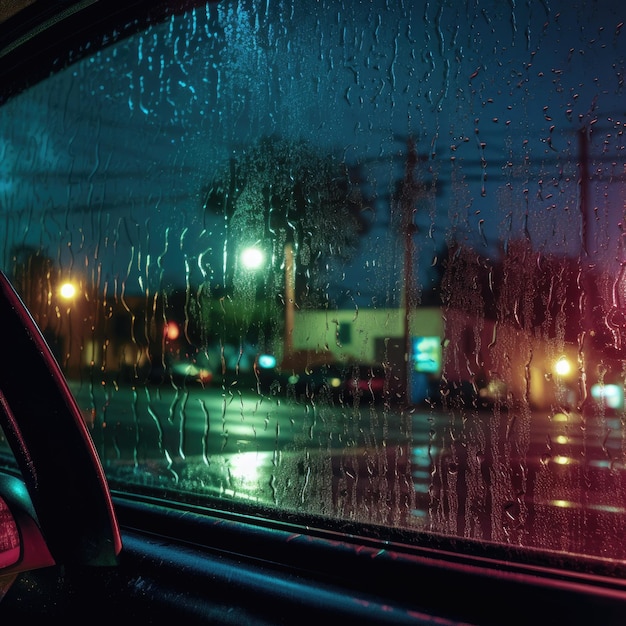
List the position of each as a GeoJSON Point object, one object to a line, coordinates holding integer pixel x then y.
{"type": "Point", "coordinates": [105, 166]}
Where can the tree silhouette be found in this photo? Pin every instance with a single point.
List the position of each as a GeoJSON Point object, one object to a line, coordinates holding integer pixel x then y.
{"type": "Point", "coordinates": [301, 207]}
{"type": "Point", "coordinates": [282, 191]}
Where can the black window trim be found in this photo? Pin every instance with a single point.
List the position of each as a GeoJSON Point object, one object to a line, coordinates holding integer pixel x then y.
{"type": "Point", "coordinates": [402, 581]}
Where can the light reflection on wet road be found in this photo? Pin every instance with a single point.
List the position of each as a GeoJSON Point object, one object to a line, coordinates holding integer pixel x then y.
{"type": "Point", "coordinates": [555, 483]}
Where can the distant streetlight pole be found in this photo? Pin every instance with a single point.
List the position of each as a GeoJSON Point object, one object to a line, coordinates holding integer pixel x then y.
{"type": "Point", "coordinates": [408, 195]}
{"type": "Point", "coordinates": [585, 262]}
{"type": "Point", "coordinates": [70, 330]}
{"type": "Point", "coordinates": [290, 295]}
{"type": "Point", "coordinates": [252, 259]}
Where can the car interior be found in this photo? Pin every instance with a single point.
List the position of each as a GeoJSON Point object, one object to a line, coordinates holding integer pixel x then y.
{"type": "Point", "coordinates": [313, 312]}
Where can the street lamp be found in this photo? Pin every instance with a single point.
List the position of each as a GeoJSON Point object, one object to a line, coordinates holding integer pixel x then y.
{"type": "Point", "coordinates": [67, 291]}
{"type": "Point", "coordinates": [562, 367]}
{"type": "Point", "coordinates": [252, 258]}
{"type": "Point", "coordinates": [70, 334]}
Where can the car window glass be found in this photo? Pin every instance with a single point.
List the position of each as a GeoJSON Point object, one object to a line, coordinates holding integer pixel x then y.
{"type": "Point", "coordinates": [362, 261]}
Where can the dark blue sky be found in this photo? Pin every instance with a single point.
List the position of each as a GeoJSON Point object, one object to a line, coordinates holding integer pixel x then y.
{"type": "Point", "coordinates": [104, 165]}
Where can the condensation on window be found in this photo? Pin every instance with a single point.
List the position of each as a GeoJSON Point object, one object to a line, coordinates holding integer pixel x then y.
{"type": "Point", "coordinates": [356, 261]}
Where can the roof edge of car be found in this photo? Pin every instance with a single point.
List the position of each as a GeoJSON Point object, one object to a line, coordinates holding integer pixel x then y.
{"type": "Point", "coordinates": [34, 39]}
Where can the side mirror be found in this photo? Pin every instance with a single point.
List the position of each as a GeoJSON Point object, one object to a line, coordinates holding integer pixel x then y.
{"type": "Point", "coordinates": [9, 537]}
{"type": "Point", "coordinates": [62, 473]}
{"type": "Point", "coordinates": [22, 546]}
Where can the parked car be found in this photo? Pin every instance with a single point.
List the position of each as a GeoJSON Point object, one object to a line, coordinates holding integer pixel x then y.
{"type": "Point", "coordinates": [367, 382]}
{"type": "Point", "coordinates": [378, 157]}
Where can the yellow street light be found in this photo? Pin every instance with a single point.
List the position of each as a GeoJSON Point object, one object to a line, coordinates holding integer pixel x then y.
{"type": "Point", "coordinates": [562, 367]}
{"type": "Point", "coordinates": [67, 291]}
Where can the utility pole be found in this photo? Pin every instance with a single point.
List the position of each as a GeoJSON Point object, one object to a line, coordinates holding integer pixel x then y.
{"type": "Point", "coordinates": [290, 295]}
{"type": "Point", "coordinates": [586, 280]}
{"type": "Point", "coordinates": [408, 196]}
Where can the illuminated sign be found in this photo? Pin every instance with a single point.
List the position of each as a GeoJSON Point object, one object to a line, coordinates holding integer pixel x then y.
{"type": "Point", "coordinates": [611, 395]}
{"type": "Point", "coordinates": [426, 354]}
{"type": "Point", "coordinates": [267, 361]}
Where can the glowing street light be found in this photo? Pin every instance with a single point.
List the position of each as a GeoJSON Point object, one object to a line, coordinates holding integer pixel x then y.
{"type": "Point", "coordinates": [563, 367]}
{"type": "Point", "coordinates": [67, 291]}
{"type": "Point", "coordinates": [252, 258]}
{"type": "Point", "coordinates": [171, 331]}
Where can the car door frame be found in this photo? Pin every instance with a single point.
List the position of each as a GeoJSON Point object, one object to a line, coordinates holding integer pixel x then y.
{"type": "Point", "coordinates": [235, 566]}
